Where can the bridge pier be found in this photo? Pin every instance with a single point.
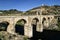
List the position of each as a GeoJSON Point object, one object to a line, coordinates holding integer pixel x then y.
{"type": "Point", "coordinates": [11, 29]}
{"type": "Point", "coordinates": [28, 30]}
{"type": "Point", "coordinates": [39, 27]}
{"type": "Point", "coordinates": [11, 26]}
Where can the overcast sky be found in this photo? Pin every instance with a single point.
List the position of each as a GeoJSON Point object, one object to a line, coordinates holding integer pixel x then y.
{"type": "Point", "coordinates": [24, 5]}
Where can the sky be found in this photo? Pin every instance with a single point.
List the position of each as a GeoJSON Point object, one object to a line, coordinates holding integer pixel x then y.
{"type": "Point", "coordinates": [25, 5]}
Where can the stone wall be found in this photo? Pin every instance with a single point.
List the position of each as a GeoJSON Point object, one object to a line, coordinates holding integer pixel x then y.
{"type": "Point", "coordinates": [28, 29]}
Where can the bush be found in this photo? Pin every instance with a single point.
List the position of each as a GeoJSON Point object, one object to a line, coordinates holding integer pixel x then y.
{"type": "Point", "coordinates": [25, 38]}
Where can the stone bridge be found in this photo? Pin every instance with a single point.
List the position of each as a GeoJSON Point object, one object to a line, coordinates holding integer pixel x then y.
{"type": "Point", "coordinates": [29, 20]}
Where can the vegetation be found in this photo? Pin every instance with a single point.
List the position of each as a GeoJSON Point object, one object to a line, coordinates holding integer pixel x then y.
{"type": "Point", "coordinates": [25, 38]}
{"type": "Point", "coordinates": [30, 13]}
{"type": "Point", "coordinates": [3, 26]}
{"type": "Point", "coordinates": [20, 23]}
{"type": "Point", "coordinates": [47, 11]}
{"type": "Point", "coordinates": [10, 12]}
{"type": "Point", "coordinates": [8, 36]}
{"type": "Point", "coordinates": [59, 24]}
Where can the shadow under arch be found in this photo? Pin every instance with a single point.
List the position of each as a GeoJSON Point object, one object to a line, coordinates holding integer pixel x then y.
{"type": "Point", "coordinates": [44, 19]}
{"type": "Point", "coordinates": [34, 21]}
{"type": "Point", "coordinates": [4, 25]}
{"type": "Point", "coordinates": [19, 27]}
{"type": "Point", "coordinates": [43, 22]}
{"type": "Point", "coordinates": [34, 24]}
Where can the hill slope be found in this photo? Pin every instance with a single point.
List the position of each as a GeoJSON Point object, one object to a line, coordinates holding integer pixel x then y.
{"type": "Point", "coordinates": [46, 9]}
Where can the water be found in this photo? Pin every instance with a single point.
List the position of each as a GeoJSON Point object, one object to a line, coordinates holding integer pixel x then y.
{"type": "Point", "coordinates": [45, 35]}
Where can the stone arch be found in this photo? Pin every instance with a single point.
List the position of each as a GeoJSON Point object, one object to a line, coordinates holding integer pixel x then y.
{"type": "Point", "coordinates": [34, 25]}
{"type": "Point", "coordinates": [44, 22]}
{"type": "Point", "coordinates": [51, 17]}
{"type": "Point", "coordinates": [44, 19]}
{"type": "Point", "coordinates": [19, 27]}
{"type": "Point", "coordinates": [38, 12]}
{"type": "Point", "coordinates": [23, 21]}
{"type": "Point", "coordinates": [4, 25]}
{"type": "Point", "coordinates": [35, 20]}
{"type": "Point", "coordinates": [48, 18]}
{"type": "Point", "coordinates": [58, 19]}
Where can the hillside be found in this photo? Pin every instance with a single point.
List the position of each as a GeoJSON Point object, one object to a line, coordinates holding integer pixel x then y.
{"type": "Point", "coordinates": [10, 12]}
{"type": "Point", "coordinates": [46, 10]}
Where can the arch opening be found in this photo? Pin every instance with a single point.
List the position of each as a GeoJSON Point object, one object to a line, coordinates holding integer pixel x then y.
{"type": "Point", "coordinates": [34, 21]}
{"type": "Point", "coordinates": [58, 19]}
{"type": "Point", "coordinates": [34, 25]}
{"type": "Point", "coordinates": [44, 19]}
{"type": "Point", "coordinates": [19, 27]}
{"type": "Point", "coordinates": [44, 22]}
{"type": "Point", "coordinates": [3, 26]}
{"type": "Point", "coordinates": [48, 18]}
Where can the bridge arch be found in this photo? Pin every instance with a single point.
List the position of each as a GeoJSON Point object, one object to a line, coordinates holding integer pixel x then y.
{"type": "Point", "coordinates": [44, 19]}
{"type": "Point", "coordinates": [48, 18]}
{"type": "Point", "coordinates": [4, 25]}
{"type": "Point", "coordinates": [34, 25]}
{"type": "Point", "coordinates": [19, 27]}
{"type": "Point", "coordinates": [34, 21]}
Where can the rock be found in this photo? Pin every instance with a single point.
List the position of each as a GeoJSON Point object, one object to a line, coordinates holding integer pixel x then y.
{"type": "Point", "coordinates": [7, 36]}
{"type": "Point", "coordinates": [53, 27]}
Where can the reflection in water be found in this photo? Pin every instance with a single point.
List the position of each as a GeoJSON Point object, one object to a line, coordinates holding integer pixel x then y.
{"type": "Point", "coordinates": [46, 35]}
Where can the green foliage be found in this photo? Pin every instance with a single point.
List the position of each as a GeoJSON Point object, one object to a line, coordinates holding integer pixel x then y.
{"type": "Point", "coordinates": [2, 36]}
{"type": "Point", "coordinates": [55, 9]}
{"type": "Point", "coordinates": [30, 13]}
{"type": "Point", "coordinates": [2, 28]}
{"type": "Point", "coordinates": [9, 12]}
{"type": "Point", "coordinates": [19, 23]}
{"type": "Point", "coordinates": [25, 38]}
